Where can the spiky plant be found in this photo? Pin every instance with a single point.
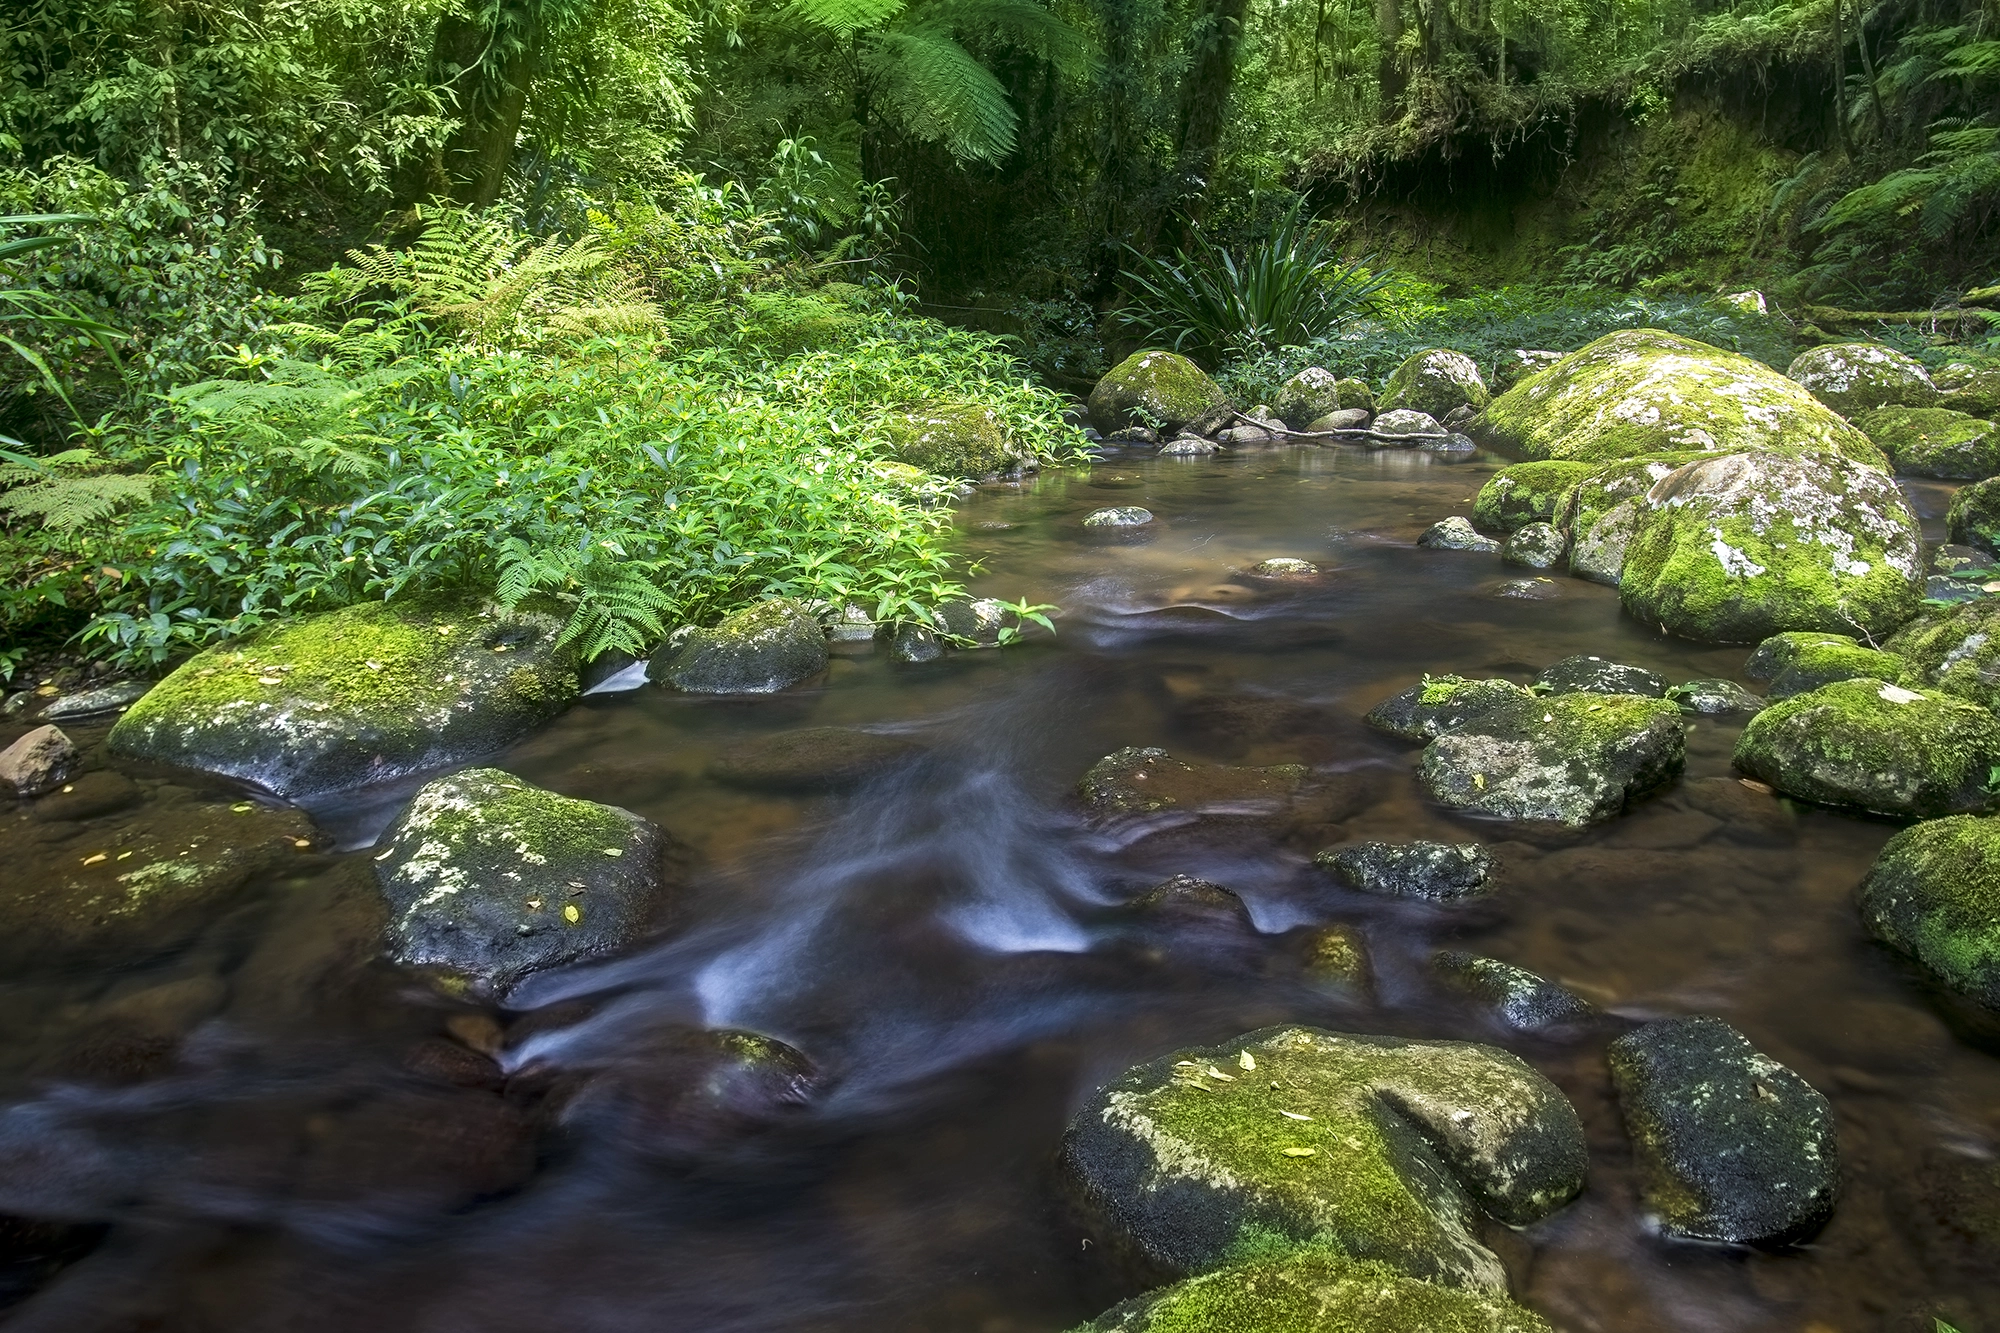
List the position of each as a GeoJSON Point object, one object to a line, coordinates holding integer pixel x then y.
{"type": "Point", "coordinates": [29, 315]}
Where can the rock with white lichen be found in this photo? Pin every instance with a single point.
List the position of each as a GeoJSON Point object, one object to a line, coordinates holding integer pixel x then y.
{"type": "Point", "coordinates": [1456, 534]}
{"type": "Point", "coordinates": [1969, 388]}
{"type": "Point", "coordinates": [1736, 548]}
{"type": "Point", "coordinates": [1586, 673]}
{"type": "Point", "coordinates": [1527, 493]}
{"type": "Point", "coordinates": [1713, 697]}
{"type": "Point", "coordinates": [1535, 546]}
{"type": "Point", "coordinates": [1569, 759]}
{"type": "Point", "coordinates": [1852, 378]}
{"type": "Point", "coordinates": [1435, 382]}
{"type": "Point", "coordinates": [1307, 396]}
{"type": "Point", "coordinates": [1157, 388]}
{"type": "Point", "coordinates": [761, 649]}
{"type": "Point", "coordinates": [1934, 894]}
{"type": "Point", "coordinates": [1731, 1145]}
{"type": "Point", "coordinates": [490, 879]}
{"type": "Point", "coordinates": [1123, 516]}
{"type": "Point", "coordinates": [1439, 872]}
{"type": "Point", "coordinates": [1515, 996]}
{"type": "Point", "coordinates": [1384, 1149]}
{"type": "Point", "coordinates": [358, 696]}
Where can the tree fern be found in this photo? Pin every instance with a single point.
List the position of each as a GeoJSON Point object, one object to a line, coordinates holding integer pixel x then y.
{"type": "Point", "coordinates": [67, 491]}
{"type": "Point", "coordinates": [844, 18]}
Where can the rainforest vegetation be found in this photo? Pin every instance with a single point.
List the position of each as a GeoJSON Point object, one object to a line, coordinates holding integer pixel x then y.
{"type": "Point", "coordinates": [620, 305]}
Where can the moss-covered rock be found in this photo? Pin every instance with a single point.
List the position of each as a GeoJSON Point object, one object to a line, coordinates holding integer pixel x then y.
{"type": "Point", "coordinates": [1435, 382]}
{"type": "Point", "coordinates": [1517, 365]}
{"type": "Point", "coordinates": [1731, 1145]}
{"type": "Point", "coordinates": [1969, 388]}
{"type": "Point", "coordinates": [1973, 518]}
{"type": "Point", "coordinates": [1527, 493]}
{"type": "Point", "coordinates": [1570, 759]}
{"type": "Point", "coordinates": [1607, 486]}
{"type": "Point", "coordinates": [1157, 388]}
{"type": "Point", "coordinates": [1934, 894]}
{"type": "Point", "coordinates": [1852, 378]}
{"type": "Point", "coordinates": [1355, 393]}
{"type": "Point", "coordinates": [1438, 704]}
{"type": "Point", "coordinates": [1141, 780]}
{"type": "Point", "coordinates": [1456, 534]}
{"type": "Point", "coordinates": [489, 878]}
{"type": "Point", "coordinates": [1314, 1290]}
{"type": "Point", "coordinates": [1737, 548]}
{"type": "Point", "coordinates": [1598, 552]}
{"type": "Point", "coordinates": [1776, 653]}
{"type": "Point", "coordinates": [1818, 664]}
{"type": "Point", "coordinates": [1438, 872]}
{"type": "Point", "coordinates": [953, 440]}
{"type": "Point", "coordinates": [1641, 391]}
{"type": "Point", "coordinates": [1935, 442]}
{"type": "Point", "coordinates": [1379, 1148]}
{"type": "Point", "coordinates": [1516, 997]}
{"type": "Point", "coordinates": [1879, 747]}
{"type": "Point", "coordinates": [1955, 648]}
{"type": "Point", "coordinates": [1308, 396]}
{"type": "Point", "coordinates": [1535, 546]}
{"type": "Point", "coordinates": [353, 697]}
{"type": "Point", "coordinates": [1586, 673]}
{"type": "Point", "coordinates": [759, 650]}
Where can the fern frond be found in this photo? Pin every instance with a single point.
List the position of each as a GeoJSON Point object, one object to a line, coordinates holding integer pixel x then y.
{"type": "Point", "coordinates": [942, 94]}
{"type": "Point", "coordinates": [844, 18]}
{"type": "Point", "coordinates": [65, 491]}
{"type": "Point", "coordinates": [1027, 24]}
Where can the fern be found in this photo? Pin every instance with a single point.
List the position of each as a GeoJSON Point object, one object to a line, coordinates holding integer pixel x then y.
{"type": "Point", "coordinates": [615, 603]}
{"type": "Point", "coordinates": [844, 18]}
{"type": "Point", "coordinates": [67, 491]}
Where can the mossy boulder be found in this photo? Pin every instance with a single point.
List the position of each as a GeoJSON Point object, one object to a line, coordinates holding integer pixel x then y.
{"type": "Point", "coordinates": [1456, 534]}
{"type": "Point", "coordinates": [1307, 396]}
{"type": "Point", "coordinates": [1438, 704]}
{"type": "Point", "coordinates": [1598, 552]}
{"type": "Point", "coordinates": [1607, 486]}
{"type": "Point", "coordinates": [1570, 759]}
{"type": "Point", "coordinates": [1157, 388]}
{"type": "Point", "coordinates": [761, 649]}
{"type": "Point", "coordinates": [1935, 442]}
{"type": "Point", "coordinates": [1642, 391]}
{"type": "Point", "coordinates": [1438, 872]}
{"type": "Point", "coordinates": [1517, 365]}
{"type": "Point", "coordinates": [1731, 1145]}
{"type": "Point", "coordinates": [1777, 653]}
{"type": "Point", "coordinates": [1823, 664]}
{"type": "Point", "coordinates": [489, 879]}
{"type": "Point", "coordinates": [1355, 393]}
{"type": "Point", "coordinates": [1379, 1148]}
{"type": "Point", "coordinates": [354, 697]}
{"type": "Point", "coordinates": [1736, 548]}
{"type": "Point", "coordinates": [1527, 493]}
{"type": "Point", "coordinates": [1969, 388]}
{"type": "Point", "coordinates": [953, 440]}
{"type": "Point", "coordinates": [1852, 378]}
{"type": "Point", "coordinates": [1954, 648]}
{"type": "Point", "coordinates": [1973, 518]}
{"type": "Point", "coordinates": [1314, 1290]}
{"type": "Point", "coordinates": [1879, 747]}
{"type": "Point", "coordinates": [1435, 382]}
{"type": "Point", "coordinates": [1934, 894]}
{"type": "Point", "coordinates": [1143, 780]}
{"type": "Point", "coordinates": [1587, 673]}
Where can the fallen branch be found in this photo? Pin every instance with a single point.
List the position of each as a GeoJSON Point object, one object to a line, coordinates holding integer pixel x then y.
{"type": "Point", "coordinates": [1971, 321]}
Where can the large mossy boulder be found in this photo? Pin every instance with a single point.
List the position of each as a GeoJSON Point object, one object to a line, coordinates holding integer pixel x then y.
{"type": "Point", "coordinates": [1384, 1149]}
{"type": "Point", "coordinates": [354, 697]}
{"type": "Point", "coordinates": [1954, 648]}
{"type": "Point", "coordinates": [1161, 389]}
{"type": "Point", "coordinates": [1872, 745]}
{"type": "Point", "coordinates": [1307, 396]}
{"type": "Point", "coordinates": [953, 440]}
{"type": "Point", "coordinates": [1935, 442]}
{"type": "Point", "coordinates": [1642, 391]}
{"type": "Point", "coordinates": [489, 879]}
{"type": "Point", "coordinates": [1969, 388]}
{"type": "Point", "coordinates": [1852, 378]}
{"type": "Point", "coordinates": [1570, 759]}
{"type": "Point", "coordinates": [761, 649]}
{"type": "Point", "coordinates": [1934, 895]}
{"type": "Point", "coordinates": [1314, 1290]}
{"type": "Point", "coordinates": [1973, 518]}
{"type": "Point", "coordinates": [1435, 382]}
{"type": "Point", "coordinates": [1736, 548]}
{"type": "Point", "coordinates": [1731, 1145]}
{"type": "Point", "coordinates": [1527, 493]}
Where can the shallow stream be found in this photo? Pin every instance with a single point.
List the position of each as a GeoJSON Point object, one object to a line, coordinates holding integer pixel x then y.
{"type": "Point", "coordinates": [264, 1129]}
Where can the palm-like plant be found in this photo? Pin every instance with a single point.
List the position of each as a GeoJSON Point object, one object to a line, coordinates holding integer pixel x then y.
{"type": "Point", "coordinates": [39, 315]}
{"type": "Point", "coordinates": [1283, 291]}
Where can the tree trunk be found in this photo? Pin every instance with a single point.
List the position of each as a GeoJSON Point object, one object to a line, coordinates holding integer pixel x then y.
{"type": "Point", "coordinates": [1840, 79]}
{"type": "Point", "coordinates": [1205, 95]}
{"type": "Point", "coordinates": [1390, 78]}
{"type": "Point", "coordinates": [486, 71]}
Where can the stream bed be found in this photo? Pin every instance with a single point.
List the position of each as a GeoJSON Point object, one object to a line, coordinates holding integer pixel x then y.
{"type": "Point", "coordinates": [266, 1127]}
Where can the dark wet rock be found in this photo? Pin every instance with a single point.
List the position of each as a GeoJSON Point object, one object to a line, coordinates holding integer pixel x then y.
{"type": "Point", "coordinates": [1439, 872]}
{"type": "Point", "coordinates": [1966, 562]}
{"type": "Point", "coordinates": [1402, 426]}
{"type": "Point", "coordinates": [1527, 590]}
{"type": "Point", "coordinates": [355, 697]}
{"type": "Point", "coordinates": [1346, 419]}
{"type": "Point", "coordinates": [1955, 648]}
{"type": "Point", "coordinates": [1535, 546]}
{"type": "Point", "coordinates": [1876, 746]}
{"type": "Point", "coordinates": [1852, 378]}
{"type": "Point", "coordinates": [1452, 443]}
{"type": "Point", "coordinates": [1527, 493]}
{"type": "Point", "coordinates": [1934, 895]}
{"type": "Point", "coordinates": [1973, 518]}
{"type": "Point", "coordinates": [1731, 1145]}
{"type": "Point", "coordinates": [1586, 674]}
{"type": "Point", "coordinates": [953, 439]}
{"type": "Point", "coordinates": [96, 703]}
{"type": "Point", "coordinates": [1438, 704]}
{"type": "Point", "coordinates": [1137, 781]}
{"type": "Point", "coordinates": [1714, 697]}
{"type": "Point", "coordinates": [915, 643]}
{"type": "Point", "coordinates": [1385, 1149]}
{"type": "Point", "coordinates": [1935, 442]}
{"type": "Point", "coordinates": [1189, 446]}
{"type": "Point", "coordinates": [1737, 548]}
{"type": "Point", "coordinates": [1517, 365]}
{"type": "Point", "coordinates": [613, 672]}
{"type": "Point", "coordinates": [1570, 759]}
{"type": "Point", "coordinates": [1127, 516]}
{"type": "Point", "coordinates": [1284, 567]}
{"type": "Point", "coordinates": [1519, 998]}
{"type": "Point", "coordinates": [1159, 386]}
{"type": "Point", "coordinates": [1315, 1290]}
{"type": "Point", "coordinates": [1308, 396]}
{"type": "Point", "coordinates": [813, 759]}
{"type": "Point", "coordinates": [1951, 1208]}
{"type": "Point", "coordinates": [489, 879]}
{"type": "Point", "coordinates": [89, 796]}
{"type": "Point", "coordinates": [1337, 953]}
{"type": "Point", "coordinates": [407, 1154]}
{"type": "Point", "coordinates": [37, 762]}
{"type": "Point", "coordinates": [853, 624]}
{"type": "Point", "coordinates": [1938, 588]}
{"type": "Point", "coordinates": [1456, 534]}
{"type": "Point", "coordinates": [1436, 382]}
{"type": "Point", "coordinates": [1185, 898]}
{"type": "Point", "coordinates": [761, 649]}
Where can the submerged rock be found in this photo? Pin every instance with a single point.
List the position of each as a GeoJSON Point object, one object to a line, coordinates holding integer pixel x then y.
{"type": "Point", "coordinates": [355, 697]}
{"type": "Point", "coordinates": [812, 759]}
{"type": "Point", "coordinates": [1456, 534]}
{"type": "Point", "coordinates": [1382, 1148]}
{"type": "Point", "coordinates": [1438, 872]}
{"type": "Point", "coordinates": [1877, 747]}
{"type": "Point", "coordinates": [1145, 780]}
{"type": "Point", "coordinates": [1536, 589]}
{"type": "Point", "coordinates": [1438, 704]}
{"type": "Point", "coordinates": [1187, 899]}
{"type": "Point", "coordinates": [687, 1094]}
{"type": "Point", "coordinates": [1570, 759]}
{"type": "Point", "coordinates": [94, 703]}
{"type": "Point", "coordinates": [1955, 648]}
{"type": "Point", "coordinates": [1586, 674]}
{"type": "Point", "coordinates": [1314, 1290]}
{"type": "Point", "coordinates": [761, 649]}
{"type": "Point", "coordinates": [1284, 567]}
{"type": "Point", "coordinates": [1308, 396]}
{"type": "Point", "coordinates": [37, 762]}
{"type": "Point", "coordinates": [1851, 378]}
{"type": "Point", "coordinates": [1188, 446]}
{"type": "Point", "coordinates": [1127, 516]}
{"type": "Point", "coordinates": [1935, 442]}
{"type": "Point", "coordinates": [1714, 697]}
{"type": "Point", "coordinates": [1535, 546]}
{"type": "Point", "coordinates": [953, 439]}
{"type": "Point", "coordinates": [1337, 953]}
{"type": "Point", "coordinates": [1519, 998]}
{"type": "Point", "coordinates": [1527, 493]}
{"type": "Point", "coordinates": [1642, 391]}
{"type": "Point", "coordinates": [1934, 895]}
{"type": "Point", "coordinates": [1160, 387]}
{"type": "Point", "coordinates": [1736, 548]}
{"type": "Point", "coordinates": [1732, 1146]}
{"type": "Point", "coordinates": [1435, 382]}
{"type": "Point", "coordinates": [489, 879]}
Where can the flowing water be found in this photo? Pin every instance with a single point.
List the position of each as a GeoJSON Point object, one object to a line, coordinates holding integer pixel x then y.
{"type": "Point", "coordinates": [268, 1128]}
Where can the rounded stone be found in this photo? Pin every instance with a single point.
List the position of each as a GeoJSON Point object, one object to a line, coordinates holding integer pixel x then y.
{"type": "Point", "coordinates": [764, 648]}
{"type": "Point", "coordinates": [1587, 674]}
{"type": "Point", "coordinates": [1527, 493]}
{"type": "Point", "coordinates": [1519, 364]}
{"type": "Point", "coordinates": [1515, 996]}
{"type": "Point", "coordinates": [1954, 648]}
{"type": "Point", "coordinates": [1456, 534]}
{"type": "Point", "coordinates": [1284, 567]}
{"type": "Point", "coordinates": [1438, 704]}
{"type": "Point", "coordinates": [38, 762]}
{"type": "Point", "coordinates": [1124, 516]}
{"type": "Point", "coordinates": [1535, 546]}
{"type": "Point", "coordinates": [1158, 387]}
{"type": "Point", "coordinates": [953, 439]}
{"type": "Point", "coordinates": [1934, 895]}
{"type": "Point", "coordinates": [1435, 382]}
{"type": "Point", "coordinates": [1935, 442]}
{"type": "Point", "coordinates": [1969, 388]}
{"type": "Point", "coordinates": [1405, 426]}
{"type": "Point", "coordinates": [1714, 697]}
{"type": "Point", "coordinates": [1851, 378]}
{"type": "Point", "coordinates": [1973, 518]}
{"type": "Point", "coordinates": [1308, 396]}
{"type": "Point", "coordinates": [1438, 872]}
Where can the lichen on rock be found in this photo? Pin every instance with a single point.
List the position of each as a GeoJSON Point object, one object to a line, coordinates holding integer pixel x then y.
{"type": "Point", "coordinates": [1954, 648]}
{"type": "Point", "coordinates": [1157, 388]}
{"type": "Point", "coordinates": [1935, 442]}
{"type": "Point", "coordinates": [1570, 759]}
{"type": "Point", "coordinates": [1307, 396]}
{"type": "Point", "coordinates": [1934, 895]}
{"type": "Point", "coordinates": [1587, 673]}
{"type": "Point", "coordinates": [1855, 377]}
{"type": "Point", "coordinates": [1527, 493]}
{"type": "Point", "coordinates": [1437, 704]}
{"type": "Point", "coordinates": [1428, 871]}
{"type": "Point", "coordinates": [1141, 780]}
{"type": "Point", "coordinates": [1435, 382]}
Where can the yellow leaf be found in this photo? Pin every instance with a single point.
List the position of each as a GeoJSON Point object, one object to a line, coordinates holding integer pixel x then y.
{"type": "Point", "coordinates": [1300, 1152]}
{"type": "Point", "coordinates": [571, 914]}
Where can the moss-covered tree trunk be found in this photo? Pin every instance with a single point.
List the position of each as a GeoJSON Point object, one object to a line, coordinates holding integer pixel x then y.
{"type": "Point", "coordinates": [485, 64]}
{"type": "Point", "coordinates": [1205, 98]}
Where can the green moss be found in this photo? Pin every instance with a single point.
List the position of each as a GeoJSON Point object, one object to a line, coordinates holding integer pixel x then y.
{"type": "Point", "coordinates": [1934, 894]}
{"type": "Point", "coordinates": [1956, 649]}
{"type": "Point", "coordinates": [1155, 387]}
{"type": "Point", "coordinates": [1852, 378]}
{"type": "Point", "coordinates": [1570, 758]}
{"type": "Point", "coordinates": [1527, 493]}
{"type": "Point", "coordinates": [1608, 485]}
{"type": "Point", "coordinates": [1776, 654]}
{"type": "Point", "coordinates": [1820, 662]}
{"type": "Point", "coordinates": [1935, 442]}
{"type": "Point", "coordinates": [1973, 518]}
{"type": "Point", "coordinates": [952, 439]}
{"type": "Point", "coordinates": [1435, 381]}
{"type": "Point", "coordinates": [1436, 704]}
{"type": "Point", "coordinates": [1642, 391]}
